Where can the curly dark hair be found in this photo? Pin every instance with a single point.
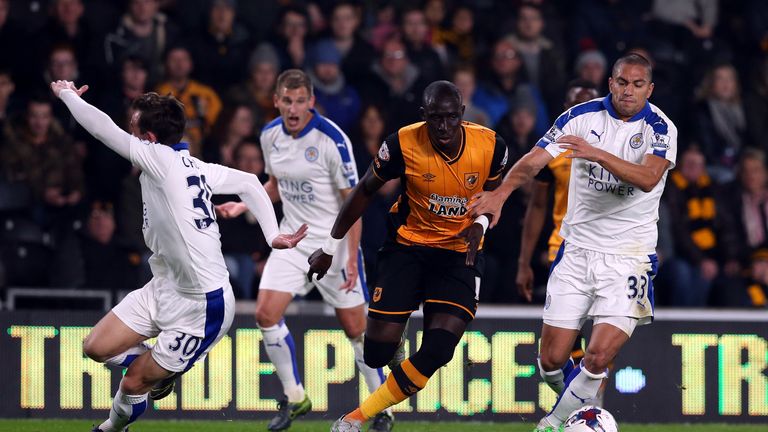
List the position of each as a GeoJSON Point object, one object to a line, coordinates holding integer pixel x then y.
{"type": "Point", "coordinates": [161, 115]}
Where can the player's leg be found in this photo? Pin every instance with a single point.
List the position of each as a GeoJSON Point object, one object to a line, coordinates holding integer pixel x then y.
{"type": "Point", "coordinates": [555, 363]}
{"type": "Point", "coordinates": [585, 380]}
{"type": "Point", "coordinates": [130, 401]}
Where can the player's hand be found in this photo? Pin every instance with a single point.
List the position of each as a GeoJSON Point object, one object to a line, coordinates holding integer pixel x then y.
{"type": "Point", "coordinates": [58, 86]}
{"type": "Point", "coordinates": [472, 235]}
{"type": "Point", "coordinates": [579, 147]}
{"type": "Point", "coordinates": [487, 202]}
{"type": "Point", "coordinates": [524, 282]}
{"type": "Point", "coordinates": [319, 263]}
{"type": "Point", "coordinates": [230, 209]}
{"type": "Point", "coordinates": [351, 269]}
{"type": "Point", "coordinates": [288, 241]}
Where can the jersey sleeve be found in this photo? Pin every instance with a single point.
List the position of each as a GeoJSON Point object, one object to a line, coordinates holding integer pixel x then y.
{"type": "Point", "coordinates": [499, 159]}
{"type": "Point", "coordinates": [341, 164]}
{"type": "Point", "coordinates": [388, 163]}
{"type": "Point", "coordinates": [566, 124]}
{"type": "Point", "coordinates": [266, 141]}
{"type": "Point", "coordinates": [152, 158]}
{"type": "Point", "coordinates": [663, 140]}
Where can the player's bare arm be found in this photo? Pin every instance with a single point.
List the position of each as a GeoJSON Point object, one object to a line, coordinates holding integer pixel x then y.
{"type": "Point", "coordinates": [353, 245]}
{"type": "Point", "coordinates": [520, 174]}
{"type": "Point", "coordinates": [533, 223]}
{"type": "Point", "coordinates": [645, 175]}
{"type": "Point", "coordinates": [351, 209]}
{"type": "Point", "coordinates": [473, 233]}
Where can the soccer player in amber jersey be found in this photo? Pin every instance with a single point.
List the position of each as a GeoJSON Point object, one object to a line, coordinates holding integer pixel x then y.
{"type": "Point", "coordinates": [432, 254]}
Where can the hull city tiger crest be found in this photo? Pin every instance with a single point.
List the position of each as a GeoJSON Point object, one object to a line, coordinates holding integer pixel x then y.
{"type": "Point", "coordinates": [377, 294]}
{"type": "Point", "coordinates": [470, 180]}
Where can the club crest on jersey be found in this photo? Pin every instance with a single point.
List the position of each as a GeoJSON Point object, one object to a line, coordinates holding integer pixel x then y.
{"type": "Point", "coordinates": [311, 154]}
{"type": "Point", "coordinates": [384, 152]}
{"type": "Point", "coordinates": [377, 294]}
{"type": "Point", "coordinates": [636, 141]}
{"type": "Point", "coordinates": [470, 180]}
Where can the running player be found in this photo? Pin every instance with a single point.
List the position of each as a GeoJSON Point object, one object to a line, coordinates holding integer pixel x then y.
{"type": "Point", "coordinates": [188, 305]}
{"type": "Point", "coordinates": [621, 149]}
{"type": "Point", "coordinates": [311, 170]}
{"type": "Point", "coordinates": [432, 254]}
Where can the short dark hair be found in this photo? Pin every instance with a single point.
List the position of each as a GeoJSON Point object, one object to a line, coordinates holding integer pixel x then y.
{"type": "Point", "coordinates": [440, 89]}
{"type": "Point", "coordinates": [293, 79]}
{"type": "Point", "coordinates": [161, 115]}
{"type": "Point", "coordinates": [633, 59]}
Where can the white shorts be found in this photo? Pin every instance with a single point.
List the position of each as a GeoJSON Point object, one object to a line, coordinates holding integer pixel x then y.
{"type": "Point", "coordinates": [286, 271]}
{"type": "Point", "coordinates": [589, 284]}
{"type": "Point", "coordinates": [186, 326]}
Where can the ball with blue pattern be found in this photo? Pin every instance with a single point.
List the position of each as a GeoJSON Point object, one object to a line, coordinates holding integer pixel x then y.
{"type": "Point", "coordinates": [590, 419]}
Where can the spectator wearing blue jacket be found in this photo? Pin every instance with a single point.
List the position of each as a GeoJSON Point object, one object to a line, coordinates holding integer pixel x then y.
{"type": "Point", "coordinates": [338, 100]}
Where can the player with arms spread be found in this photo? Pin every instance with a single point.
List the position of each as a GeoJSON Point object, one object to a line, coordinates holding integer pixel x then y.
{"type": "Point", "coordinates": [621, 149]}
{"type": "Point", "coordinates": [432, 254]}
{"type": "Point", "coordinates": [188, 305]}
{"type": "Point", "coordinates": [311, 170]}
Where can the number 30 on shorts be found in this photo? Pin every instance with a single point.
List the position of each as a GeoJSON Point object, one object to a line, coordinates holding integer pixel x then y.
{"type": "Point", "coordinates": [187, 347]}
{"type": "Point", "coordinates": [636, 286]}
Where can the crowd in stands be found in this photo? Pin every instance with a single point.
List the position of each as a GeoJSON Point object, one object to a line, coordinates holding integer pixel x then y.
{"type": "Point", "coordinates": [71, 209]}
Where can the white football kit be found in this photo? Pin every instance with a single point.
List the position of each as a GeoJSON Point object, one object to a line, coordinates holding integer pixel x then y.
{"type": "Point", "coordinates": [605, 266]}
{"type": "Point", "coordinates": [188, 305]}
{"type": "Point", "coordinates": [310, 170]}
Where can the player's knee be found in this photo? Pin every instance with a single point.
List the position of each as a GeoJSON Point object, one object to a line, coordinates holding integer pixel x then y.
{"type": "Point", "coordinates": [91, 349]}
{"type": "Point", "coordinates": [377, 354]}
{"type": "Point", "coordinates": [265, 317]}
{"type": "Point", "coordinates": [437, 347]}
{"type": "Point", "coordinates": [596, 361]}
{"type": "Point", "coordinates": [551, 361]}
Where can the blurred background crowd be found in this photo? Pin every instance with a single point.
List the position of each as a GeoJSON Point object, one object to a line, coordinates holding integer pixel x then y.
{"type": "Point", "coordinates": [71, 209]}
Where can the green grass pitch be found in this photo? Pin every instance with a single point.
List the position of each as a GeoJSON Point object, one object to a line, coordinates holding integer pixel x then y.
{"type": "Point", "coordinates": [317, 426]}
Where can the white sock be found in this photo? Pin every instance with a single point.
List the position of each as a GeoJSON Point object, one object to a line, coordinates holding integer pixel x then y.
{"type": "Point", "coordinates": [556, 379]}
{"type": "Point", "coordinates": [127, 357]}
{"type": "Point", "coordinates": [282, 353]}
{"type": "Point", "coordinates": [581, 389]}
{"type": "Point", "coordinates": [374, 378]}
{"type": "Point", "coordinates": [125, 410]}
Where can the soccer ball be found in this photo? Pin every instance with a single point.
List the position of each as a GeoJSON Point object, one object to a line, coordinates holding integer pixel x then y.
{"type": "Point", "coordinates": [590, 419]}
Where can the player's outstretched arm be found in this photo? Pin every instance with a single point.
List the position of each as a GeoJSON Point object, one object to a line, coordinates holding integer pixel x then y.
{"type": "Point", "coordinates": [91, 118]}
{"type": "Point", "coordinates": [521, 173]}
{"type": "Point", "coordinates": [351, 210]}
{"type": "Point", "coordinates": [249, 189]}
{"type": "Point", "coordinates": [645, 175]}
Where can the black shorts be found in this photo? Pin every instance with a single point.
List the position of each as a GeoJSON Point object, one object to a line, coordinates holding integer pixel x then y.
{"type": "Point", "coordinates": [411, 275]}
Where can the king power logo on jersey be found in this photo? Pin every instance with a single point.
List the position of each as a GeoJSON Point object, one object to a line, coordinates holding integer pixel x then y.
{"type": "Point", "coordinates": [602, 180]}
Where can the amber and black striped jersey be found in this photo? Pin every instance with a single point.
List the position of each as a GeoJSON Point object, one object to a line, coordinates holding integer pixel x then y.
{"type": "Point", "coordinates": [557, 171]}
{"type": "Point", "coordinates": [432, 209]}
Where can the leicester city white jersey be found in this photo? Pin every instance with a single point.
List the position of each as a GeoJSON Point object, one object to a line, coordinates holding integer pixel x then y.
{"type": "Point", "coordinates": [179, 221]}
{"type": "Point", "coordinates": [604, 213]}
{"type": "Point", "coordinates": [310, 170]}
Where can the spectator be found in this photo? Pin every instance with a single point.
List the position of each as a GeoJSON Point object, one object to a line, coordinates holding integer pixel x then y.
{"type": "Point", "coordinates": [201, 103]}
{"type": "Point", "coordinates": [7, 99]}
{"type": "Point", "coordinates": [465, 80]}
{"type": "Point", "coordinates": [395, 84]}
{"type": "Point", "coordinates": [259, 89]}
{"type": "Point", "coordinates": [66, 25]}
{"type": "Point", "coordinates": [144, 31]}
{"type": "Point", "coordinates": [357, 54]}
{"type": "Point", "coordinates": [107, 263]}
{"type": "Point", "coordinates": [592, 66]}
{"type": "Point", "coordinates": [221, 52]}
{"type": "Point", "coordinates": [506, 84]}
{"type": "Point", "coordinates": [543, 61]}
{"type": "Point", "coordinates": [756, 103]}
{"type": "Point", "coordinates": [756, 293]}
{"type": "Point", "coordinates": [337, 99]}
{"type": "Point", "coordinates": [234, 125]}
{"type": "Point", "coordinates": [719, 122]}
{"type": "Point", "coordinates": [459, 40]}
{"type": "Point", "coordinates": [747, 197]}
{"type": "Point", "coordinates": [416, 37]}
{"type": "Point", "coordinates": [62, 65]}
{"type": "Point", "coordinates": [687, 28]}
{"type": "Point", "coordinates": [290, 39]}
{"type": "Point", "coordinates": [701, 243]}
{"type": "Point", "coordinates": [16, 56]}
{"type": "Point", "coordinates": [242, 242]}
{"type": "Point", "coordinates": [609, 26]}
{"type": "Point", "coordinates": [516, 127]}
